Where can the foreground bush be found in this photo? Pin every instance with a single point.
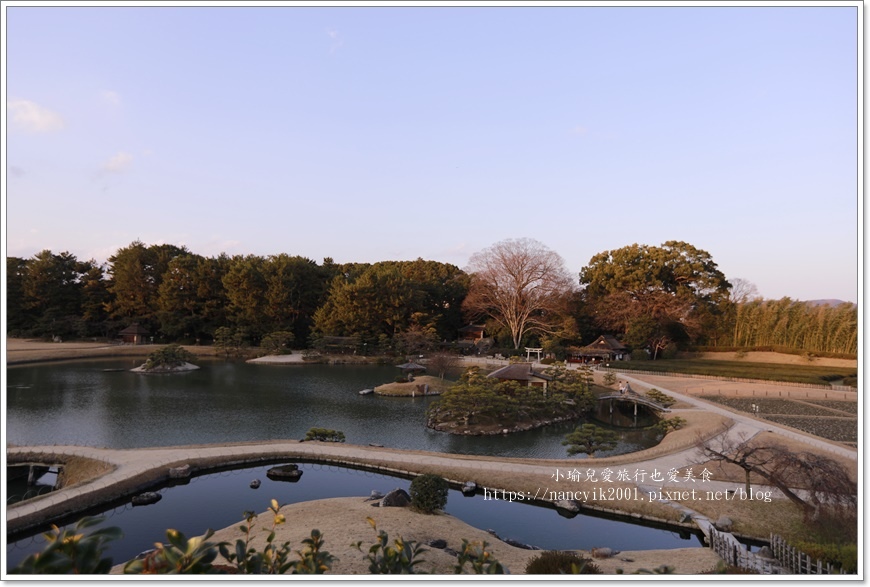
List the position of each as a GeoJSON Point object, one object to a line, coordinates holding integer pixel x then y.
{"type": "Point", "coordinates": [77, 551]}
{"type": "Point", "coordinates": [428, 493]}
{"type": "Point", "coordinates": [554, 562]}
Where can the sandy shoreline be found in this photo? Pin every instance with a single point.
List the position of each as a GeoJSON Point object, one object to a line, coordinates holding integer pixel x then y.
{"type": "Point", "coordinates": [342, 521]}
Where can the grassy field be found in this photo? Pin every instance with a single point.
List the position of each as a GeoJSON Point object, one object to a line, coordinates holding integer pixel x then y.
{"type": "Point", "coordinates": [767, 371]}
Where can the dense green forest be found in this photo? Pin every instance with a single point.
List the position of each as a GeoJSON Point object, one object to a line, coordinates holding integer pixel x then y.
{"type": "Point", "coordinates": [658, 298]}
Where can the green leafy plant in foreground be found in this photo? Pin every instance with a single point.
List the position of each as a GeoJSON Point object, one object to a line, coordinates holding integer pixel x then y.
{"type": "Point", "coordinates": [81, 552]}
{"type": "Point", "coordinates": [399, 559]}
{"type": "Point", "coordinates": [481, 560]}
{"type": "Point", "coordinates": [74, 551]}
{"type": "Point", "coordinates": [181, 556]}
{"type": "Point", "coordinates": [273, 559]}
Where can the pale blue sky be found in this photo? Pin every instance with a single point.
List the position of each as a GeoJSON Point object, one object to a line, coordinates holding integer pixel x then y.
{"type": "Point", "coordinates": [368, 134]}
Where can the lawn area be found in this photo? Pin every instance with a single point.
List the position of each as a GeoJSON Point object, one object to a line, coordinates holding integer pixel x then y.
{"type": "Point", "coordinates": [767, 371]}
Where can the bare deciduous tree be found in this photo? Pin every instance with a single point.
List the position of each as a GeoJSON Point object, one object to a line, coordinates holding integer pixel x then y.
{"type": "Point", "coordinates": [440, 363]}
{"type": "Point", "coordinates": [743, 290]}
{"type": "Point", "coordinates": [811, 481]}
{"type": "Point", "coordinates": [519, 283]}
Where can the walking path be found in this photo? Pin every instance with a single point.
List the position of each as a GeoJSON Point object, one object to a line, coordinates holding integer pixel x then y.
{"type": "Point", "coordinates": [751, 426]}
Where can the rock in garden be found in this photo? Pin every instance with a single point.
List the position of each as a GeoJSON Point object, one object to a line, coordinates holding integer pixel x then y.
{"type": "Point", "coordinates": [469, 488]}
{"type": "Point", "coordinates": [568, 505]}
{"type": "Point", "coordinates": [146, 498]}
{"type": "Point", "coordinates": [397, 498]}
{"type": "Point", "coordinates": [182, 472]}
{"type": "Point", "coordinates": [289, 473]}
{"type": "Point", "coordinates": [517, 544]}
{"type": "Point", "coordinates": [603, 552]}
{"type": "Point", "coordinates": [437, 543]}
{"type": "Point", "coordinates": [724, 524]}
{"type": "Point", "coordinates": [375, 495]}
{"type": "Point", "coordinates": [255, 484]}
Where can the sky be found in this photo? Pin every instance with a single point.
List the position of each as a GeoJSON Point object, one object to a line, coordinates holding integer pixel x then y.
{"type": "Point", "coordinates": [373, 133]}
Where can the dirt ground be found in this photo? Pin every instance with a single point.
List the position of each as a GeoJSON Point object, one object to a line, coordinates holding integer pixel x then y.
{"type": "Point", "coordinates": [782, 358]}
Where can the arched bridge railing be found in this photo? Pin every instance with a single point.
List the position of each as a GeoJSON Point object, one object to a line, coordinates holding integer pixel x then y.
{"type": "Point", "coordinates": [636, 399]}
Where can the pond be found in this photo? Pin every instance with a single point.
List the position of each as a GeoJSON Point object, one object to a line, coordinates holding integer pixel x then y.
{"type": "Point", "coordinates": [100, 403]}
{"type": "Point", "coordinates": [217, 500]}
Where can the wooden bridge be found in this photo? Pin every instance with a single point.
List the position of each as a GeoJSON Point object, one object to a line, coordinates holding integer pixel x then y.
{"type": "Point", "coordinates": [635, 399]}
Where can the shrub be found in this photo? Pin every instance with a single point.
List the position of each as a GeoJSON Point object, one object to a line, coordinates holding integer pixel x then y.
{"type": "Point", "coordinates": [669, 352]}
{"type": "Point", "coordinates": [844, 556]}
{"type": "Point", "coordinates": [277, 343]}
{"type": "Point", "coordinates": [590, 439]}
{"type": "Point", "coordinates": [639, 355]}
{"type": "Point", "coordinates": [660, 398]}
{"type": "Point", "coordinates": [172, 355]}
{"type": "Point", "coordinates": [671, 424]}
{"type": "Point", "coordinates": [324, 435]}
{"type": "Point", "coordinates": [428, 493]}
{"type": "Point", "coordinates": [554, 562]}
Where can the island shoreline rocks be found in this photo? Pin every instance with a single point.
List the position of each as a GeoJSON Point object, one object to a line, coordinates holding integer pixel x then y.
{"type": "Point", "coordinates": [163, 369]}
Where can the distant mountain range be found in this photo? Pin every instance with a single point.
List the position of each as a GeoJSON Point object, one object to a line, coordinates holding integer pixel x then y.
{"type": "Point", "coordinates": [827, 302]}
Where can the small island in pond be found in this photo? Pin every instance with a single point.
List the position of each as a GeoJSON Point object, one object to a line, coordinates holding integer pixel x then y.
{"type": "Point", "coordinates": [419, 386]}
{"type": "Point", "coordinates": [501, 402]}
{"type": "Point", "coordinates": [172, 358]}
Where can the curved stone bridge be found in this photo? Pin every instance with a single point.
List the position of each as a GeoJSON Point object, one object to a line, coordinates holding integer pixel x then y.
{"type": "Point", "coordinates": [636, 399]}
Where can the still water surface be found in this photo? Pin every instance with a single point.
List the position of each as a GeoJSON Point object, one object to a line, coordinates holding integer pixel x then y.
{"type": "Point", "coordinates": [100, 403]}
{"type": "Point", "coordinates": [217, 500]}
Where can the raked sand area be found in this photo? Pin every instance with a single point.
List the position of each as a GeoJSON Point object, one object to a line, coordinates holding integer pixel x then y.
{"type": "Point", "coordinates": [342, 521]}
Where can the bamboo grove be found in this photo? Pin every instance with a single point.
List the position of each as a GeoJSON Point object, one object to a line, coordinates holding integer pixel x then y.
{"type": "Point", "coordinates": [671, 294]}
{"type": "Point", "coordinates": [796, 325]}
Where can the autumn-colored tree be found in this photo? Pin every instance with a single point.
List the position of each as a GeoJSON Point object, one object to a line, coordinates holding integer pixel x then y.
{"type": "Point", "coordinates": [521, 284]}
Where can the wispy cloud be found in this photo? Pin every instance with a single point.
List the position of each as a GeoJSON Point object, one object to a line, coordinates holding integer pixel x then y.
{"type": "Point", "coordinates": [337, 41]}
{"type": "Point", "coordinates": [580, 131]}
{"type": "Point", "coordinates": [118, 162]}
{"type": "Point", "coordinates": [111, 97]}
{"type": "Point", "coordinates": [31, 117]}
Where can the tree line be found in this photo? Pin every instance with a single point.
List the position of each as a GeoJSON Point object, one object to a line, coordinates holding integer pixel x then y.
{"type": "Point", "coordinates": [650, 297]}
